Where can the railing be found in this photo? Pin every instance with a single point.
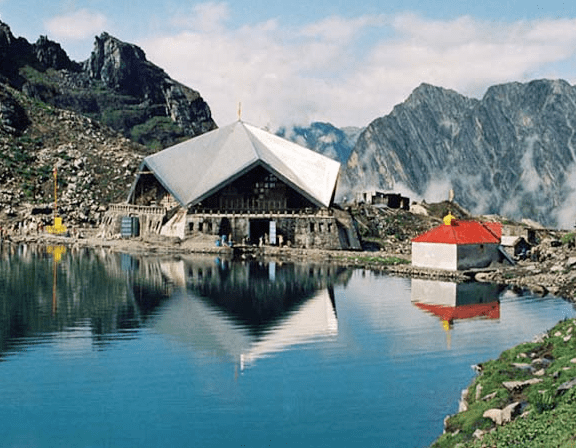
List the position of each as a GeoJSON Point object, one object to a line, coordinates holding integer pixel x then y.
{"type": "Point", "coordinates": [255, 212]}
{"type": "Point", "coordinates": [140, 209]}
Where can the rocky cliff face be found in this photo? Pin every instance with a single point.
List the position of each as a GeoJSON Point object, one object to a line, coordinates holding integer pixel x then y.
{"type": "Point", "coordinates": [512, 152]}
{"type": "Point", "coordinates": [117, 86]}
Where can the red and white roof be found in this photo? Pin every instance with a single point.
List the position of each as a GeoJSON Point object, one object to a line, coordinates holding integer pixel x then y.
{"type": "Point", "coordinates": [463, 232]}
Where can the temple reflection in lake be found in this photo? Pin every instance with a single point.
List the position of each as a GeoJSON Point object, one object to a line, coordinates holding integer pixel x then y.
{"type": "Point", "coordinates": [249, 310]}
{"type": "Point", "coordinates": [240, 310]}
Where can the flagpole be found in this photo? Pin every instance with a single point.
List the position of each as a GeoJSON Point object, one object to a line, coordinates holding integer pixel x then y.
{"type": "Point", "coordinates": [55, 192]}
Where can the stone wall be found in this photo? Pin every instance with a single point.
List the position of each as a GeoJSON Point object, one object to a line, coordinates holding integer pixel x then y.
{"type": "Point", "coordinates": [320, 230]}
{"type": "Point", "coordinates": [150, 219]}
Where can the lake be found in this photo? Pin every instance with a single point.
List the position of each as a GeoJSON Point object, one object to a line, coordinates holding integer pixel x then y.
{"type": "Point", "coordinates": [99, 349]}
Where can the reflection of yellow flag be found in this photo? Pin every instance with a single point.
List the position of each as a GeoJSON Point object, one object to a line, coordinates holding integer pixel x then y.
{"type": "Point", "coordinates": [56, 251]}
{"type": "Point", "coordinates": [446, 326]}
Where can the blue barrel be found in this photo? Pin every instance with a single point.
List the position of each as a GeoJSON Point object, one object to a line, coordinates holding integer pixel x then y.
{"type": "Point", "coordinates": [129, 226]}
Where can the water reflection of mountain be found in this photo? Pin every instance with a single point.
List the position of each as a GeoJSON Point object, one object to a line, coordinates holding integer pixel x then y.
{"type": "Point", "coordinates": [451, 301]}
{"type": "Point", "coordinates": [47, 294]}
{"type": "Point", "coordinates": [44, 292]}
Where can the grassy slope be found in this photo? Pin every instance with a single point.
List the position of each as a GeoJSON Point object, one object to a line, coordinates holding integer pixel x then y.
{"type": "Point", "coordinates": [549, 418]}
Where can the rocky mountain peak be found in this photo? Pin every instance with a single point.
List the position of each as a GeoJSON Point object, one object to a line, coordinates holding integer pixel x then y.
{"type": "Point", "coordinates": [51, 55]}
{"type": "Point", "coordinates": [117, 86]}
{"type": "Point", "coordinates": [119, 65]}
{"type": "Point", "coordinates": [437, 97]}
{"type": "Point", "coordinates": [14, 52]}
{"type": "Point", "coordinates": [6, 36]}
{"type": "Point", "coordinates": [323, 138]}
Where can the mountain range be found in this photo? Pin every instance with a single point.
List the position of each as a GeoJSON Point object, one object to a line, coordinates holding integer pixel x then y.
{"type": "Point", "coordinates": [511, 152]}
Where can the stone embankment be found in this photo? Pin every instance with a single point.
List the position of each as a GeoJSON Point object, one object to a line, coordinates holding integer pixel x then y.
{"type": "Point", "coordinates": [551, 268]}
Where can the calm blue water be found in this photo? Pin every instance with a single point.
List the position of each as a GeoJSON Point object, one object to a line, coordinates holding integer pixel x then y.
{"type": "Point", "coordinates": [107, 350]}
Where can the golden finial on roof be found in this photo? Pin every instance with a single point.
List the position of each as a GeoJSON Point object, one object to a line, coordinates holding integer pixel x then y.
{"type": "Point", "coordinates": [239, 111]}
{"type": "Point", "coordinates": [449, 219]}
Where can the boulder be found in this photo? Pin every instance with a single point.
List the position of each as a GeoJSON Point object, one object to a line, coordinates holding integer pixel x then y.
{"type": "Point", "coordinates": [503, 416]}
{"type": "Point", "coordinates": [463, 403]}
{"type": "Point", "coordinates": [539, 290]}
{"type": "Point", "coordinates": [479, 433]}
{"type": "Point", "coordinates": [513, 386]}
{"type": "Point", "coordinates": [489, 396]}
{"type": "Point", "coordinates": [566, 386]}
{"type": "Point", "coordinates": [483, 277]}
{"type": "Point", "coordinates": [524, 367]}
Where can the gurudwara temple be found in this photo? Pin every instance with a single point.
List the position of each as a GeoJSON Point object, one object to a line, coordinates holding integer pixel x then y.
{"type": "Point", "coordinates": [240, 184]}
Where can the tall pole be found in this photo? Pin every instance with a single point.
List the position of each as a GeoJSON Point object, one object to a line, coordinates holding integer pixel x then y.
{"type": "Point", "coordinates": [55, 193]}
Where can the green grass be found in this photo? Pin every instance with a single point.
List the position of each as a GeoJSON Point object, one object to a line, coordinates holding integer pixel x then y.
{"type": "Point", "coordinates": [367, 259]}
{"type": "Point", "coordinates": [568, 238]}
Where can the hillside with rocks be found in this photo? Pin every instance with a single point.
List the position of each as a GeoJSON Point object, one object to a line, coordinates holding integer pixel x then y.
{"type": "Point", "coordinates": [116, 86]}
{"type": "Point", "coordinates": [511, 153]}
{"type": "Point", "coordinates": [95, 164]}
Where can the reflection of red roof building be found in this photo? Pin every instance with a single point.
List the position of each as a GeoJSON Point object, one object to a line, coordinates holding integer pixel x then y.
{"type": "Point", "coordinates": [456, 301]}
{"type": "Point", "coordinates": [457, 245]}
{"type": "Point", "coordinates": [450, 313]}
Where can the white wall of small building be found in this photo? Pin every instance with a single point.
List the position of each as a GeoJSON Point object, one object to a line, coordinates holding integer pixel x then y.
{"type": "Point", "coordinates": [435, 256]}
{"type": "Point", "coordinates": [453, 257]}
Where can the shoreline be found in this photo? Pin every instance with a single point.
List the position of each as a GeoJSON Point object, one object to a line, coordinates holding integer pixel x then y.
{"type": "Point", "coordinates": [555, 274]}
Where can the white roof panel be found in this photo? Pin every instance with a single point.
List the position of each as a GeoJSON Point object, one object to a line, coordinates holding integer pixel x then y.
{"type": "Point", "coordinates": [196, 168]}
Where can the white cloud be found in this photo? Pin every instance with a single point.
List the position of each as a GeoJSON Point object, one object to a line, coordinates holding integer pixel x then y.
{"type": "Point", "coordinates": [78, 25]}
{"type": "Point", "coordinates": [565, 213]}
{"type": "Point", "coordinates": [285, 75]}
{"type": "Point", "coordinates": [205, 17]}
{"type": "Point", "coordinates": [337, 28]}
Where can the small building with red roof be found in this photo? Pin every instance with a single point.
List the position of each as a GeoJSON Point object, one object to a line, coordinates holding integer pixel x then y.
{"type": "Point", "coordinates": [457, 245]}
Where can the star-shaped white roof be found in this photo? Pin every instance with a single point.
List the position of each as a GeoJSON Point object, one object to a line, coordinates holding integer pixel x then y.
{"type": "Point", "coordinates": [197, 168]}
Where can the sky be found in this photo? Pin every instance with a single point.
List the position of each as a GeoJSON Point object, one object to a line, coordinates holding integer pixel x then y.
{"type": "Point", "coordinates": [339, 61]}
